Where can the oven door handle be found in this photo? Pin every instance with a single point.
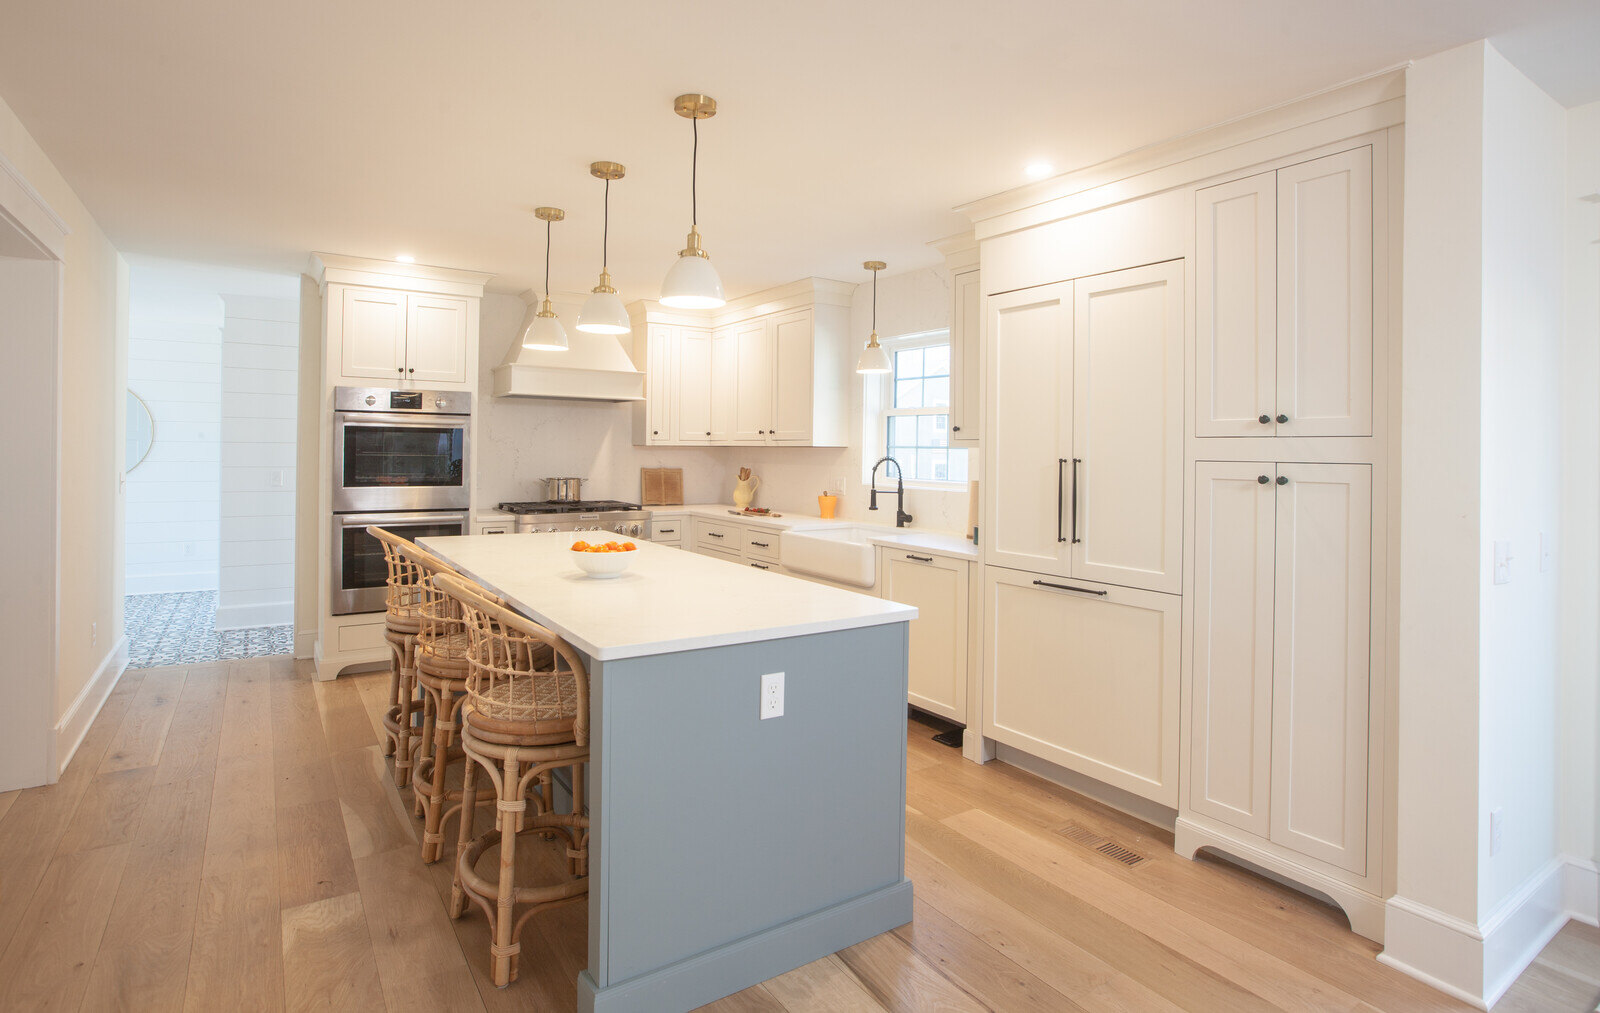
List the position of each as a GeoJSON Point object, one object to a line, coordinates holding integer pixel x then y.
{"type": "Point", "coordinates": [384, 420]}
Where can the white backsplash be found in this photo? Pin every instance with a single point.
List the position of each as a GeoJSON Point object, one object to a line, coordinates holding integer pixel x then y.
{"type": "Point", "coordinates": [522, 441]}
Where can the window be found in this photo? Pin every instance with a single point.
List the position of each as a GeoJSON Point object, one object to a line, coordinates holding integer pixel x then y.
{"type": "Point", "coordinates": [914, 420]}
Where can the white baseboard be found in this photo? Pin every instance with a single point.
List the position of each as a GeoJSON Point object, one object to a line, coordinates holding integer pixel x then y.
{"type": "Point", "coordinates": [1580, 892]}
{"type": "Point", "coordinates": [248, 617]}
{"type": "Point", "coordinates": [1474, 963]}
{"type": "Point", "coordinates": [74, 724]}
{"type": "Point", "coordinates": [171, 583]}
{"type": "Point", "coordinates": [305, 643]}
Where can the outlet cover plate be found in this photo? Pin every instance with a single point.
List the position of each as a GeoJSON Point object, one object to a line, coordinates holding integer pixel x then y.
{"type": "Point", "coordinates": [772, 695]}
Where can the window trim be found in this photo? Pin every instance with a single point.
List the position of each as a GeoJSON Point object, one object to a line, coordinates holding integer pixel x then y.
{"type": "Point", "coordinates": [879, 397]}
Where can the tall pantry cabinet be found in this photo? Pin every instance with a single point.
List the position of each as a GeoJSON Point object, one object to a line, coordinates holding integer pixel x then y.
{"type": "Point", "coordinates": [1184, 523]}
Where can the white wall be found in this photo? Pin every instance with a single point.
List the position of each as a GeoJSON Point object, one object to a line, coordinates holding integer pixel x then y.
{"type": "Point", "coordinates": [260, 352]}
{"type": "Point", "coordinates": [1579, 545]}
{"type": "Point", "coordinates": [175, 365]}
{"type": "Point", "coordinates": [1524, 242]}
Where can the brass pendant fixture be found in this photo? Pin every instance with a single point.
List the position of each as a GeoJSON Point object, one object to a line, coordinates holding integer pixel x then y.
{"type": "Point", "coordinates": [692, 282]}
{"type": "Point", "coordinates": [544, 332]}
{"type": "Point", "coordinates": [874, 358]}
{"type": "Point", "coordinates": [603, 312]}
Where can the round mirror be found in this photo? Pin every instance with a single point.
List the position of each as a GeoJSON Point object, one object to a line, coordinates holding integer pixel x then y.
{"type": "Point", "coordinates": [141, 430]}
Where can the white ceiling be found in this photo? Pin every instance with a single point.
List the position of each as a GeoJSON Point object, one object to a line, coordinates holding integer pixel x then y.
{"type": "Point", "coordinates": [251, 134]}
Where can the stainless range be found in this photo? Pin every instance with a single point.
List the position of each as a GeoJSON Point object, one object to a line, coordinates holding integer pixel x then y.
{"type": "Point", "coordinates": [581, 515]}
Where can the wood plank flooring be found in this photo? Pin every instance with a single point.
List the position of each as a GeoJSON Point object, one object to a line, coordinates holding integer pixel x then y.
{"type": "Point", "coordinates": [228, 837]}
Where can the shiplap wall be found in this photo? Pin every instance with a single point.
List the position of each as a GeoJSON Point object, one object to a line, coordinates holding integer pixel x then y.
{"type": "Point", "coordinates": [260, 351]}
{"type": "Point", "coordinates": [173, 498]}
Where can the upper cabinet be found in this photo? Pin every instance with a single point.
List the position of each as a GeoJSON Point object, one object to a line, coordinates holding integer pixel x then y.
{"type": "Point", "coordinates": [1084, 430]}
{"type": "Point", "coordinates": [414, 327]}
{"type": "Point", "coordinates": [770, 370]}
{"type": "Point", "coordinates": [1284, 303]}
{"type": "Point", "coordinates": [966, 350]}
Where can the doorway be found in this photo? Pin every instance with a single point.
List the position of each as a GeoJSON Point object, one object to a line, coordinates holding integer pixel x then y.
{"type": "Point", "coordinates": [213, 359]}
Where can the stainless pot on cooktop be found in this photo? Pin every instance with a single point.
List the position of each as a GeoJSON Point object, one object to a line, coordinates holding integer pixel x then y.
{"type": "Point", "coordinates": [563, 490]}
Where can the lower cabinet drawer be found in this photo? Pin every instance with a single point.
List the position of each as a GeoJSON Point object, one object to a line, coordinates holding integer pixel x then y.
{"type": "Point", "coordinates": [365, 637]}
{"type": "Point", "coordinates": [666, 531]}
{"type": "Point", "coordinates": [717, 535]}
{"type": "Point", "coordinates": [764, 564]}
{"type": "Point", "coordinates": [761, 544]}
{"type": "Point", "coordinates": [1084, 675]}
{"type": "Point", "coordinates": [716, 553]}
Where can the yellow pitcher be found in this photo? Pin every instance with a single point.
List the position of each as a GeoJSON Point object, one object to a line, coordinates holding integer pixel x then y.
{"type": "Point", "coordinates": [744, 490]}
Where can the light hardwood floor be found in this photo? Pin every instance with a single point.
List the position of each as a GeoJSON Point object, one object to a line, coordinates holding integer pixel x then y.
{"type": "Point", "coordinates": [228, 837]}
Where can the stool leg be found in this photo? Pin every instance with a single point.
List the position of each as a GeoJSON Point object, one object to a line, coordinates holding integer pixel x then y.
{"type": "Point", "coordinates": [394, 696]}
{"type": "Point", "coordinates": [406, 698]}
{"type": "Point", "coordinates": [430, 710]}
{"type": "Point", "coordinates": [578, 865]}
{"type": "Point", "coordinates": [444, 727]}
{"type": "Point", "coordinates": [505, 902]}
{"type": "Point", "coordinates": [469, 809]}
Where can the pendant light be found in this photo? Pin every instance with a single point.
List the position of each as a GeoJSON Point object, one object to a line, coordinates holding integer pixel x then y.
{"type": "Point", "coordinates": [873, 357]}
{"type": "Point", "coordinates": [693, 283]}
{"type": "Point", "coordinates": [544, 332]}
{"type": "Point", "coordinates": [603, 312]}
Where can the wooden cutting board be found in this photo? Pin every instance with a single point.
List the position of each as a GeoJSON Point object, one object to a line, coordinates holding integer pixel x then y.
{"type": "Point", "coordinates": [660, 486]}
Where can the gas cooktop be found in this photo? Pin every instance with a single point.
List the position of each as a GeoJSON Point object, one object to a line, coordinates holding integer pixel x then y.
{"type": "Point", "coordinates": [581, 506]}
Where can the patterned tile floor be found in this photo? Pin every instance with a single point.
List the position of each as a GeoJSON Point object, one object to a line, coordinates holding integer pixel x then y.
{"type": "Point", "coordinates": [179, 628]}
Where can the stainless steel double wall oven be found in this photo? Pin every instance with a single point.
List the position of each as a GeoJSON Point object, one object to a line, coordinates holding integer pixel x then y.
{"type": "Point", "coordinates": [400, 461]}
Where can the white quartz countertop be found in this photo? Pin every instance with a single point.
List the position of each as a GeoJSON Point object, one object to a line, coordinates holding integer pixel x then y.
{"type": "Point", "coordinates": [944, 543]}
{"type": "Point", "coordinates": [667, 600]}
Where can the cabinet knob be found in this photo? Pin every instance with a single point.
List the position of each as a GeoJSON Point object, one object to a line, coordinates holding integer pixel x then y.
{"type": "Point", "coordinates": [1265, 420]}
{"type": "Point", "coordinates": [1283, 479]}
{"type": "Point", "coordinates": [1263, 479]}
{"type": "Point", "coordinates": [401, 370]}
{"type": "Point", "coordinates": [708, 432]}
{"type": "Point", "coordinates": [655, 432]}
{"type": "Point", "coordinates": [1282, 419]}
{"type": "Point", "coordinates": [955, 429]}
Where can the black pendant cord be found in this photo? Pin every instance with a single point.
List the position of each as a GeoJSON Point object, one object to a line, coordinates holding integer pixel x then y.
{"type": "Point", "coordinates": [605, 233]}
{"type": "Point", "coordinates": [694, 179]}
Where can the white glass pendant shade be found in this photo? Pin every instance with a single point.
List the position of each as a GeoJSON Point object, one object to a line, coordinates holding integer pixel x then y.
{"type": "Point", "coordinates": [603, 313]}
{"type": "Point", "coordinates": [544, 332]}
{"type": "Point", "coordinates": [692, 284]}
{"type": "Point", "coordinates": [873, 358]}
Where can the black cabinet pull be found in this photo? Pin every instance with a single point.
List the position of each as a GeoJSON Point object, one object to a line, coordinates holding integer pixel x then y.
{"type": "Point", "coordinates": [1075, 462]}
{"type": "Point", "coordinates": [1265, 420]}
{"type": "Point", "coordinates": [920, 559]}
{"type": "Point", "coordinates": [762, 545]}
{"type": "Point", "coordinates": [955, 429]}
{"type": "Point", "coordinates": [1283, 479]}
{"type": "Point", "coordinates": [413, 369]}
{"type": "Point", "coordinates": [761, 566]}
{"type": "Point", "coordinates": [1060, 491]}
{"type": "Point", "coordinates": [1263, 479]}
{"type": "Point", "coordinates": [715, 534]}
{"type": "Point", "coordinates": [1068, 587]}
{"type": "Point", "coordinates": [1282, 419]}
{"type": "Point", "coordinates": [401, 370]}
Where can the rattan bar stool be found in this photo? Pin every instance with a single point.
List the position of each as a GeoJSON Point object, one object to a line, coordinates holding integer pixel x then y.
{"type": "Point", "coordinates": [526, 715]}
{"type": "Point", "coordinates": [404, 620]}
{"type": "Point", "coordinates": [442, 648]}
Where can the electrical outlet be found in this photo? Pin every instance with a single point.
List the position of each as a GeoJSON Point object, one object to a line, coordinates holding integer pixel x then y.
{"type": "Point", "coordinates": [1502, 562]}
{"type": "Point", "coordinates": [1546, 552]}
{"type": "Point", "coordinates": [1497, 831]}
{"type": "Point", "coordinates": [838, 485]}
{"type": "Point", "coordinates": [772, 695]}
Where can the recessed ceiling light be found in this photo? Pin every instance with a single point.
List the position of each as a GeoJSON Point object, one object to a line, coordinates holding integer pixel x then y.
{"type": "Point", "coordinates": [1039, 170]}
{"type": "Point", "coordinates": [406, 258]}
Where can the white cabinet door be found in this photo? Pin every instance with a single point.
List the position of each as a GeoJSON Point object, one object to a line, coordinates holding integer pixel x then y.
{"type": "Point", "coordinates": [724, 391]}
{"type": "Point", "coordinates": [966, 318]}
{"type": "Point", "coordinates": [1325, 296]}
{"type": "Point", "coordinates": [373, 339]}
{"type": "Point", "coordinates": [660, 382]}
{"type": "Point", "coordinates": [1230, 720]}
{"type": "Point", "coordinates": [1321, 662]}
{"type": "Point", "coordinates": [792, 378]}
{"type": "Point", "coordinates": [693, 385]}
{"type": "Point", "coordinates": [937, 587]}
{"type": "Point", "coordinates": [1084, 676]}
{"type": "Point", "coordinates": [1125, 492]}
{"type": "Point", "coordinates": [753, 381]}
{"type": "Point", "coordinates": [436, 338]}
{"type": "Point", "coordinates": [1236, 307]}
{"type": "Point", "coordinates": [1028, 421]}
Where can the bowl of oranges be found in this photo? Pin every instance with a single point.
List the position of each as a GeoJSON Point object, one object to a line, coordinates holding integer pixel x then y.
{"type": "Point", "coordinates": [603, 559]}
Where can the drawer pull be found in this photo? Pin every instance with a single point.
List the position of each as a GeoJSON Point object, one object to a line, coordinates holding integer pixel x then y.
{"type": "Point", "coordinates": [666, 531]}
{"type": "Point", "coordinates": [920, 559]}
{"type": "Point", "coordinates": [1068, 587]}
{"type": "Point", "coordinates": [763, 545]}
{"type": "Point", "coordinates": [761, 566]}
{"type": "Point", "coordinates": [715, 534]}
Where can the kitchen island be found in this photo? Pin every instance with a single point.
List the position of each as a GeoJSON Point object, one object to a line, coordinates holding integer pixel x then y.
{"type": "Point", "coordinates": [725, 849]}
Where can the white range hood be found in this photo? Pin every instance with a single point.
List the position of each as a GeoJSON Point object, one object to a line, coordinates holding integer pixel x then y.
{"type": "Point", "coordinates": [594, 368]}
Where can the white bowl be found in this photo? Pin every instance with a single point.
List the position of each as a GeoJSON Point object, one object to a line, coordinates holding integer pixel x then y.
{"type": "Point", "coordinates": [602, 564]}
